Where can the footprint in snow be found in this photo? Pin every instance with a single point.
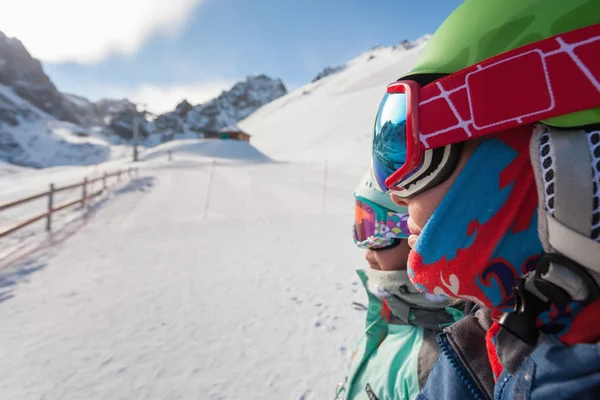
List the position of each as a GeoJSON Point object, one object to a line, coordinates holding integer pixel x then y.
{"type": "Point", "coordinates": [326, 320]}
{"type": "Point", "coordinates": [343, 351]}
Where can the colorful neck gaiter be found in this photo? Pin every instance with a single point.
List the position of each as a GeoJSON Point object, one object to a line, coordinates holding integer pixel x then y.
{"type": "Point", "coordinates": [483, 236]}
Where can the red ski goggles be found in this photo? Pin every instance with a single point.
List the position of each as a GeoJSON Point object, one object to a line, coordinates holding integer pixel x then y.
{"type": "Point", "coordinates": [418, 130]}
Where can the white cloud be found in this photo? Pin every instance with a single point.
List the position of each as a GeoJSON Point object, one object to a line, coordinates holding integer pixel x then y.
{"type": "Point", "coordinates": [160, 99]}
{"type": "Point", "coordinates": [90, 31]}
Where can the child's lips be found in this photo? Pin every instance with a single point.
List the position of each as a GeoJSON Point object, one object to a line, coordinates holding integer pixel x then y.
{"type": "Point", "coordinates": [412, 227]}
{"type": "Point", "coordinates": [415, 232]}
{"type": "Point", "coordinates": [412, 240]}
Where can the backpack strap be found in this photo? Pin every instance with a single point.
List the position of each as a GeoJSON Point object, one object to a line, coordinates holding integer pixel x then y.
{"type": "Point", "coordinates": [567, 173]}
{"type": "Point", "coordinates": [566, 165]}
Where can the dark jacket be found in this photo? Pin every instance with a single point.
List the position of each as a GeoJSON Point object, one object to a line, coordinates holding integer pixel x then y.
{"type": "Point", "coordinates": [549, 370]}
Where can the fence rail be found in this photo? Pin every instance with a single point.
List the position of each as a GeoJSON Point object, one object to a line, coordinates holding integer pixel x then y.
{"type": "Point", "coordinates": [85, 196]}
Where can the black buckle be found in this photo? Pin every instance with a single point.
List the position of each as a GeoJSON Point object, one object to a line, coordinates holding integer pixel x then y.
{"type": "Point", "coordinates": [522, 321]}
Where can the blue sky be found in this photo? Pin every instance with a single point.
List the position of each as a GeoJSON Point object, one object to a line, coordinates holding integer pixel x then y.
{"type": "Point", "coordinates": [196, 48]}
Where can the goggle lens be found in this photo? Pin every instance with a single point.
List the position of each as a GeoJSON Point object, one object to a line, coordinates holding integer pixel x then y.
{"type": "Point", "coordinates": [389, 138]}
{"type": "Point", "coordinates": [371, 233]}
{"type": "Point", "coordinates": [364, 221]}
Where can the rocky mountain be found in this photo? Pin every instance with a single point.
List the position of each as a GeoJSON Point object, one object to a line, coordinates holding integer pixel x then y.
{"type": "Point", "coordinates": [25, 76]}
{"type": "Point", "coordinates": [40, 126]}
{"type": "Point", "coordinates": [227, 109]}
{"type": "Point", "coordinates": [99, 113]}
{"type": "Point", "coordinates": [116, 116]}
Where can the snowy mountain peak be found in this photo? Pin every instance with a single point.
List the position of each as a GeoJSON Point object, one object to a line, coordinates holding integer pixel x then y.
{"type": "Point", "coordinates": [372, 54]}
{"type": "Point", "coordinates": [183, 108]}
{"type": "Point", "coordinates": [228, 108]}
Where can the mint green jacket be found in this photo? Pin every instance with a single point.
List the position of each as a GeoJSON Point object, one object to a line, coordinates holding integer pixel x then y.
{"type": "Point", "coordinates": [393, 358]}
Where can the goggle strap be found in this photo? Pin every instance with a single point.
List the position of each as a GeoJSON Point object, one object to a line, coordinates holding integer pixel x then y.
{"type": "Point", "coordinates": [552, 77]}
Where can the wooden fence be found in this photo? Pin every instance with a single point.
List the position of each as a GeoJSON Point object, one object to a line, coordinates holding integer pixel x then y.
{"type": "Point", "coordinates": [85, 196]}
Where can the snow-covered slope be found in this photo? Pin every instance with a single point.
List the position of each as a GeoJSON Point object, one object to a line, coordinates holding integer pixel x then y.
{"type": "Point", "coordinates": [205, 150]}
{"type": "Point", "coordinates": [192, 282]}
{"type": "Point", "coordinates": [31, 137]}
{"type": "Point", "coordinates": [7, 169]}
{"type": "Point", "coordinates": [331, 118]}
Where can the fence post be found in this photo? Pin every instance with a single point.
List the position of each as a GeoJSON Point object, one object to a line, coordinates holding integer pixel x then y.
{"type": "Point", "coordinates": [104, 182]}
{"type": "Point", "coordinates": [50, 205]}
{"type": "Point", "coordinates": [84, 192]}
{"type": "Point", "coordinates": [170, 152]}
{"type": "Point", "coordinates": [325, 186]}
{"type": "Point", "coordinates": [210, 179]}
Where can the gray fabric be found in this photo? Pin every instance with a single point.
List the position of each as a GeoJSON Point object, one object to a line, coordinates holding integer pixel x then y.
{"type": "Point", "coordinates": [593, 137]}
{"type": "Point", "coordinates": [467, 338]}
{"type": "Point", "coordinates": [579, 248]}
{"type": "Point", "coordinates": [399, 308]}
{"type": "Point", "coordinates": [534, 149]}
{"type": "Point", "coordinates": [434, 319]}
{"type": "Point", "coordinates": [511, 350]}
{"type": "Point", "coordinates": [428, 354]}
{"type": "Point", "coordinates": [573, 190]}
{"type": "Point", "coordinates": [570, 227]}
{"type": "Point", "coordinates": [568, 281]}
{"type": "Point", "coordinates": [530, 286]}
{"type": "Point", "coordinates": [565, 205]}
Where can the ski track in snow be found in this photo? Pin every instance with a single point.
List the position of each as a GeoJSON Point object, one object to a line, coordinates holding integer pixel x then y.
{"type": "Point", "coordinates": [150, 300]}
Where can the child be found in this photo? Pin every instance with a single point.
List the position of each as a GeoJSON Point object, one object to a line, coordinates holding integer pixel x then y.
{"type": "Point", "coordinates": [396, 353]}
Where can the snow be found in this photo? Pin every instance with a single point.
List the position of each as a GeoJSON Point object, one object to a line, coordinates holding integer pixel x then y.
{"type": "Point", "coordinates": [49, 143]}
{"type": "Point", "coordinates": [331, 118]}
{"type": "Point", "coordinates": [9, 169]}
{"type": "Point", "coordinates": [150, 299]}
{"type": "Point", "coordinates": [15, 100]}
{"type": "Point", "coordinates": [195, 149]}
{"type": "Point", "coordinates": [46, 142]}
{"type": "Point", "coordinates": [79, 102]}
{"type": "Point", "coordinates": [20, 182]}
{"type": "Point", "coordinates": [226, 273]}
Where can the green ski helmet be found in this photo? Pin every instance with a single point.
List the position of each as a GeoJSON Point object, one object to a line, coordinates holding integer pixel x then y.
{"type": "Point", "coordinates": [368, 191]}
{"type": "Point", "coordinates": [480, 29]}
